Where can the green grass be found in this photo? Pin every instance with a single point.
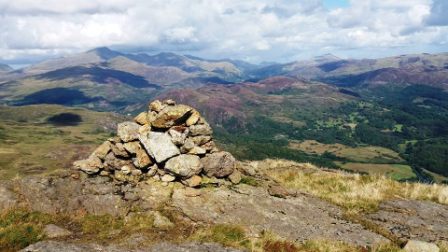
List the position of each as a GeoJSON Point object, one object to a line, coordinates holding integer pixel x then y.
{"type": "Point", "coordinates": [249, 181]}
{"type": "Point", "coordinates": [30, 145]}
{"type": "Point", "coordinates": [19, 228]}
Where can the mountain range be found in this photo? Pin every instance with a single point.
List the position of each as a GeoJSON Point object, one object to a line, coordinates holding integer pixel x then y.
{"type": "Point", "coordinates": [397, 104]}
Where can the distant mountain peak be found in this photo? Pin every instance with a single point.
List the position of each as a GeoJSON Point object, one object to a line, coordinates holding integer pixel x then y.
{"type": "Point", "coordinates": [327, 57]}
{"type": "Point", "coordinates": [5, 68]}
{"type": "Point", "coordinates": [105, 53]}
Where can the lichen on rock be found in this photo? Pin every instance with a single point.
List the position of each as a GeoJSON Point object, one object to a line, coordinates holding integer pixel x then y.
{"type": "Point", "coordinates": [169, 141]}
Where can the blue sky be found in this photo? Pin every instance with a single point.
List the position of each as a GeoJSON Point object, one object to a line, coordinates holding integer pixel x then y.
{"type": "Point", "coordinates": [251, 30]}
{"type": "Point", "coordinates": [332, 4]}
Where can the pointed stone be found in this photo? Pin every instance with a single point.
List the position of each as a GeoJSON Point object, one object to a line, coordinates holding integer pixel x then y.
{"type": "Point", "coordinates": [142, 118]}
{"type": "Point", "coordinates": [128, 131]}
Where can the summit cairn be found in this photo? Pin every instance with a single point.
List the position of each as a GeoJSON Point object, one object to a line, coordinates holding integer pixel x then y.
{"type": "Point", "coordinates": [169, 142]}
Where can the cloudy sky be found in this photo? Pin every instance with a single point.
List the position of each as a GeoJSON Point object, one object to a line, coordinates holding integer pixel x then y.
{"type": "Point", "coordinates": [253, 30]}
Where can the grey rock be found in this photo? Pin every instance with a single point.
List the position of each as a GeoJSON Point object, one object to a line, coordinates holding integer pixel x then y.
{"type": "Point", "coordinates": [178, 135]}
{"type": "Point", "coordinates": [194, 118]}
{"type": "Point", "coordinates": [64, 246]}
{"type": "Point", "coordinates": [298, 218]}
{"type": "Point", "coordinates": [188, 145]}
{"type": "Point", "coordinates": [197, 151]}
{"type": "Point", "coordinates": [200, 129]}
{"type": "Point", "coordinates": [409, 219]}
{"type": "Point", "coordinates": [167, 178]}
{"type": "Point", "coordinates": [420, 246]}
{"type": "Point", "coordinates": [119, 151]}
{"type": "Point", "coordinates": [200, 140]}
{"type": "Point", "coordinates": [102, 150]}
{"type": "Point", "coordinates": [156, 106]}
{"type": "Point", "coordinates": [128, 131]}
{"type": "Point", "coordinates": [142, 159]}
{"type": "Point", "coordinates": [184, 165]}
{"type": "Point", "coordinates": [113, 163]}
{"type": "Point", "coordinates": [158, 145]}
{"type": "Point", "coordinates": [194, 181]}
{"type": "Point", "coordinates": [235, 177]}
{"type": "Point", "coordinates": [219, 164]}
{"type": "Point", "coordinates": [172, 116]}
{"type": "Point", "coordinates": [278, 191]}
{"type": "Point", "coordinates": [92, 165]}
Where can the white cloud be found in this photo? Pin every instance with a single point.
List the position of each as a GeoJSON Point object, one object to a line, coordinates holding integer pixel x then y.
{"type": "Point", "coordinates": [252, 29]}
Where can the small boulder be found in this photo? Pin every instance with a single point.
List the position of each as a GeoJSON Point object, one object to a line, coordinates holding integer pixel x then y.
{"type": "Point", "coordinates": [172, 116]}
{"type": "Point", "coordinates": [178, 135]}
{"type": "Point", "coordinates": [197, 151]}
{"type": "Point", "coordinates": [156, 106]}
{"type": "Point", "coordinates": [209, 146]}
{"type": "Point", "coordinates": [158, 145]}
{"type": "Point", "coordinates": [142, 118]}
{"type": "Point", "coordinates": [188, 145]}
{"type": "Point", "coordinates": [168, 178]}
{"type": "Point", "coordinates": [92, 165]}
{"type": "Point", "coordinates": [235, 177]}
{"type": "Point", "coordinates": [219, 164]}
{"type": "Point", "coordinates": [169, 102]}
{"type": "Point", "coordinates": [102, 150]}
{"type": "Point", "coordinates": [128, 131]}
{"type": "Point", "coordinates": [142, 159]}
{"type": "Point", "coordinates": [184, 165]}
{"type": "Point", "coordinates": [113, 163]}
{"type": "Point", "coordinates": [194, 118]}
{"type": "Point", "coordinates": [278, 191]}
{"type": "Point", "coordinates": [201, 130]}
{"type": "Point", "coordinates": [200, 140]}
{"type": "Point", "coordinates": [420, 246]}
{"type": "Point", "coordinates": [119, 150]}
{"type": "Point", "coordinates": [194, 181]}
{"type": "Point", "coordinates": [52, 231]}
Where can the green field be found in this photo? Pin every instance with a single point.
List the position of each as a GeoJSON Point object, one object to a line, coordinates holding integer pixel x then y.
{"type": "Point", "coordinates": [32, 143]}
{"type": "Point", "coordinates": [394, 171]}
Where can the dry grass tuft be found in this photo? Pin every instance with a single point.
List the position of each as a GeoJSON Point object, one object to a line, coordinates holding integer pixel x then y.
{"type": "Point", "coordinates": [225, 234]}
{"type": "Point", "coordinates": [354, 192]}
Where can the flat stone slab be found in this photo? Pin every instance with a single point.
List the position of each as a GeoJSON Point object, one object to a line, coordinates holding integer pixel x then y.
{"type": "Point", "coordinates": [158, 145]}
{"type": "Point", "coordinates": [60, 246]}
{"type": "Point", "coordinates": [412, 219]}
{"type": "Point", "coordinates": [297, 218]}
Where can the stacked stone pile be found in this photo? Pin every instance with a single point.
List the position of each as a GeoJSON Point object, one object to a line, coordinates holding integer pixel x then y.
{"type": "Point", "coordinates": [169, 142]}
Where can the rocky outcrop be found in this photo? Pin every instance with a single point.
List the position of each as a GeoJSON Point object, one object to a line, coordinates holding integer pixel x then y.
{"type": "Point", "coordinates": [60, 246]}
{"type": "Point", "coordinates": [412, 219]}
{"type": "Point", "coordinates": [168, 142]}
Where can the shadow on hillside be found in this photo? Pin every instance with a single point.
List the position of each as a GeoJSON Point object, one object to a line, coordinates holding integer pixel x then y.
{"type": "Point", "coordinates": [65, 119]}
{"type": "Point", "coordinates": [62, 96]}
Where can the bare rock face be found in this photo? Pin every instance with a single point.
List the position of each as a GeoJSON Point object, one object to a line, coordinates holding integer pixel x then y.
{"type": "Point", "coordinates": [169, 142]}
